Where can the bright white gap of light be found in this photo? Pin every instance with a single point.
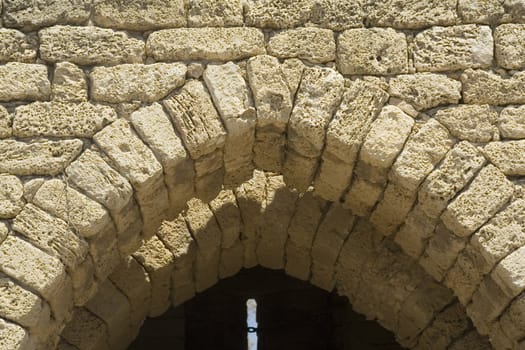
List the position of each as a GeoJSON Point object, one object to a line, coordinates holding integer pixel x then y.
{"type": "Point", "coordinates": [251, 321]}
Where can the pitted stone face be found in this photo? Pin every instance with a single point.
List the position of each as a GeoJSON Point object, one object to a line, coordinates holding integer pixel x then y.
{"type": "Point", "coordinates": [150, 148]}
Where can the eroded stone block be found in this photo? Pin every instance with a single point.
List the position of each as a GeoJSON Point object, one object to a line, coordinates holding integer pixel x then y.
{"type": "Point", "coordinates": [510, 48]}
{"type": "Point", "coordinates": [277, 14]}
{"type": "Point", "coordinates": [337, 15]}
{"type": "Point", "coordinates": [480, 11]}
{"type": "Point", "coordinates": [481, 87]}
{"type": "Point", "coordinates": [508, 156]}
{"type": "Point", "coordinates": [512, 122]}
{"type": "Point", "coordinates": [215, 13]}
{"type": "Point", "coordinates": [16, 46]}
{"type": "Point", "coordinates": [12, 336]}
{"type": "Point", "coordinates": [509, 274]}
{"type": "Point", "coordinates": [470, 122]}
{"type": "Point", "coordinates": [86, 331]}
{"type": "Point", "coordinates": [314, 45]}
{"type": "Point", "coordinates": [24, 81]}
{"type": "Point", "coordinates": [11, 193]}
{"type": "Point", "coordinates": [69, 83]}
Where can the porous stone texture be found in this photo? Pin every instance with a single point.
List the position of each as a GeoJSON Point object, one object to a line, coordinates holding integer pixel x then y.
{"type": "Point", "coordinates": [511, 123]}
{"type": "Point", "coordinates": [5, 123]}
{"type": "Point", "coordinates": [11, 193]}
{"type": "Point", "coordinates": [24, 81]}
{"type": "Point", "coordinates": [510, 49]}
{"type": "Point", "coordinates": [215, 13]}
{"type": "Point", "coordinates": [482, 87]}
{"type": "Point", "coordinates": [470, 122]}
{"type": "Point", "coordinates": [277, 14]}
{"type": "Point", "coordinates": [16, 46]}
{"type": "Point", "coordinates": [337, 15]}
{"type": "Point", "coordinates": [509, 156]}
{"type": "Point", "coordinates": [69, 83]}
{"type": "Point", "coordinates": [480, 11]}
{"type": "Point", "coordinates": [314, 45]}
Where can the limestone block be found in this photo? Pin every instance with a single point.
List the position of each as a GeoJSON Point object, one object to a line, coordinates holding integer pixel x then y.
{"type": "Point", "coordinates": [12, 336]}
{"type": "Point", "coordinates": [61, 119]}
{"type": "Point", "coordinates": [425, 90]}
{"type": "Point", "coordinates": [470, 340]}
{"type": "Point", "coordinates": [362, 196]}
{"type": "Point", "coordinates": [86, 331]}
{"type": "Point", "coordinates": [513, 320]}
{"type": "Point", "coordinates": [104, 251]}
{"type": "Point", "coordinates": [4, 230]}
{"type": "Point", "coordinates": [482, 87]}
{"type": "Point", "coordinates": [155, 128]}
{"type": "Point", "coordinates": [459, 166]}
{"type": "Point", "coordinates": [11, 192]}
{"type": "Point", "coordinates": [318, 97]}
{"type": "Point", "coordinates": [232, 260]}
{"type": "Point", "coordinates": [487, 193]}
{"type": "Point", "coordinates": [280, 206]}
{"type": "Point", "coordinates": [214, 44]}
{"type": "Point", "coordinates": [5, 123]}
{"type": "Point", "coordinates": [507, 156]}
{"type": "Point", "coordinates": [158, 261]}
{"type": "Point", "coordinates": [69, 83]}
{"type": "Point", "coordinates": [314, 45]}
{"type": "Point", "coordinates": [177, 238]}
{"type": "Point", "coordinates": [470, 122]}
{"type": "Point", "coordinates": [413, 235]}
{"type": "Point", "coordinates": [423, 150]}
{"type": "Point", "coordinates": [376, 51]}
{"type": "Point", "coordinates": [226, 212]}
{"type": "Point", "coordinates": [210, 175]}
{"type": "Point", "coordinates": [277, 14]}
{"type": "Point", "coordinates": [139, 15]}
{"type": "Point", "coordinates": [215, 13]}
{"type": "Point", "coordinates": [16, 46]}
{"type": "Point", "coordinates": [487, 304]}
{"type": "Point", "coordinates": [24, 81]}
{"type": "Point", "coordinates": [391, 211]}
{"type": "Point", "coordinates": [510, 49]}
{"type": "Point", "coordinates": [480, 11]}
{"type": "Point", "coordinates": [512, 122]}
{"type": "Point", "coordinates": [337, 15]}
{"type": "Point", "coordinates": [89, 46]}
{"type": "Point", "coordinates": [305, 220]}
{"type": "Point", "coordinates": [298, 261]}
{"type": "Point", "coordinates": [509, 273]}
{"type": "Point", "coordinates": [293, 69]}
{"type": "Point", "coordinates": [452, 48]}
{"type": "Point", "coordinates": [515, 10]}
{"type": "Point", "coordinates": [411, 15]}
{"type": "Point", "coordinates": [128, 82]}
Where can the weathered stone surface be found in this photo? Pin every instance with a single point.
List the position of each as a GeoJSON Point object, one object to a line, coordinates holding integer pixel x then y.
{"type": "Point", "coordinates": [89, 46]}
{"type": "Point", "coordinates": [37, 158]}
{"type": "Point", "coordinates": [512, 123]}
{"type": "Point", "coordinates": [42, 13]}
{"type": "Point", "coordinates": [11, 193]}
{"type": "Point", "coordinates": [508, 156]}
{"type": "Point", "coordinates": [61, 119]}
{"type": "Point", "coordinates": [451, 48]}
{"type": "Point", "coordinates": [482, 87]}
{"type": "Point", "coordinates": [215, 13]}
{"type": "Point", "coordinates": [293, 69]}
{"type": "Point", "coordinates": [425, 90]}
{"type": "Point", "coordinates": [218, 44]}
{"type": "Point", "coordinates": [86, 331]}
{"type": "Point", "coordinates": [16, 46]}
{"type": "Point", "coordinates": [139, 15]}
{"type": "Point", "coordinates": [12, 336]}
{"type": "Point", "coordinates": [510, 48]}
{"type": "Point", "coordinates": [474, 123]}
{"type": "Point", "coordinates": [509, 274]}
{"type": "Point", "coordinates": [337, 15]}
{"type": "Point", "coordinates": [372, 51]}
{"type": "Point", "coordinates": [391, 211]}
{"type": "Point", "coordinates": [5, 123]}
{"type": "Point", "coordinates": [314, 45]}
{"type": "Point", "coordinates": [69, 83]}
{"type": "Point", "coordinates": [471, 340]}
{"type": "Point", "coordinates": [411, 15]}
{"type": "Point", "coordinates": [24, 81]}
{"type": "Point", "coordinates": [487, 193]}
{"type": "Point", "coordinates": [513, 320]}
{"type": "Point", "coordinates": [228, 216]}
{"type": "Point", "coordinates": [128, 82]}
{"type": "Point", "coordinates": [277, 14]}
{"type": "Point", "coordinates": [480, 11]}
{"type": "Point", "coordinates": [4, 230]}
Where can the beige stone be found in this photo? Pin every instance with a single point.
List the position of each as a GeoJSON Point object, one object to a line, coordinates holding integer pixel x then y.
{"type": "Point", "coordinates": [5, 123]}
{"type": "Point", "coordinates": [508, 156]}
{"type": "Point", "coordinates": [24, 81]}
{"type": "Point", "coordinates": [509, 273]}
{"type": "Point", "coordinates": [128, 82]}
{"type": "Point", "coordinates": [512, 123]}
{"type": "Point", "coordinates": [177, 238]}
{"type": "Point", "coordinates": [11, 193]}
{"type": "Point", "coordinates": [481, 87]}
{"type": "Point", "coordinates": [61, 119]}
{"type": "Point", "coordinates": [209, 172]}
{"type": "Point", "coordinates": [314, 45]}
{"type": "Point", "coordinates": [305, 220]}
{"type": "Point", "coordinates": [86, 331]}
{"type": "Point", "coordinates": [16, 46]}
{"type": "Point", "coordinates": [89, 46]}
{"type": "Point", "coordinates": [12, 336]}
{"type": "Point", "coordinates": [487, 304]}
{"type": "Point", "coordinates": [41, 157]}
{"type": "Point", "coordinates": [510, 49]}
{"type": "Point", "coordinates": [139, 15]}
{"type": "Point", "coordinates": [69, 83]}
{"type": "Point", "coordinates": [470, 122]}
{"type": "Point", "coordinates": [226, 212]}
{"type": "Point", "coordinates": [4, 231]}
{"type": "Point", "coordinates": [425, 90]}
{"type": "Point", "coordinates": [415, 232]}
{"type": "Point", "coordinates": [452, 48]}
{"type": "Point", "coordinates": [216, 44]}
{"type": "Point", "coordinates": [513, 320]}
{"type": "Point", "coordinates": [392, 209]}
{"type": "Point", "coordinates": [379, 51]}
{"type": "Point", "coordinates": [215, 13]}
{"type": "Point", "coordinates": [362, 196]}
{"type": "Point", "coordinates": [293, 69]}
{"type": "Point", "coordinates": [274, 14]}
{"type": "Point", "coordinates": [337, 15]}
{"type": "Point", "coordinates": [480, 11]}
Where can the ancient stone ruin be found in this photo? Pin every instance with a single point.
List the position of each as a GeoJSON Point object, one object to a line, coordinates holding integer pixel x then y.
{"type": "Point", "coordinates": [150, 148]}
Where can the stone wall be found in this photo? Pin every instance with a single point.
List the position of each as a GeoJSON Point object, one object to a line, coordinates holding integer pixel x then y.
{"type": "Point", "coordinates": [388, 138]}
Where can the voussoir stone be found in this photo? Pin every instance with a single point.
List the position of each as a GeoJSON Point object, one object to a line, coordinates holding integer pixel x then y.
{"type": "Point", "coordinates": [510, 45]}
{"type": "Point", "coordinates": [30, 15]}
{"type": "Point", "coordinates": [13, 336]}
{"type": "Point", "coordinates": [89, 46]}
{"type": "Point", "coordinates": [474, 123]}
{"type": "Point", "coordinates": [11, 193]}
{"type": "Point", "coordinates": [452, 48]}
{"type": "Point", "coordinates": [127, 82]}
{"type": "Point", "coordinates": [425, 90]}
{"type": "Point", "coordinates": [277, 14]}
{"type": "Point", "coordinates": [482, 87]}
{"type": "Point", "coordinates": [42, 157]}
{"type": "Point", "coordinates": [508, 156]}
{"type": "Point", "coordinates": [512, 122]}
{"type": "Point", "coordinates": [24, 81]}
{"type": "Point", "coordinates": [217, 44]}
{"type": "Point", "coordinates": [315, 45]}
{"type": "Point", "coordinates": [337, 15]}
{"type": "Point", "coordinates": [372, 51]}
{"type": "Point", "coordinates": [61, 119]}
{"type": "Point", "coordinates": [215, 13]}
{"type": "Point", "coordinates": [16, 46]}
{"type": "Point", "coordinates": [139, 15]}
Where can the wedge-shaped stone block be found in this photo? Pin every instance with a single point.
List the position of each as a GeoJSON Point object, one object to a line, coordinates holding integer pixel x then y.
{"type": "Point", "coordinates": [471, 340]}
{"type": "Point", "coordinates": [86, 331]}
{"type": "Point", "coordinates": [69, 83]}
{"type": "Point", "coordinates": [487, 193]}
{"type": "Point", "coordinates": [306, 218]}
{"type": "Point", "coordinates": [177, 238]}
{"type": "Point", "coordinates": [509, 274]}
{"type": "Point", "coordinates": [314, 45]}
{"type": "Point", "coordinates": [512, 122]}
{"type": "Point", "coordinates": [59, 119]}
{"type": "Point", "coordinates": [411, 15]}
{"type": "Point", "coordinates": [372, 51]}
{"type": "Point", "coordinates": [232, 260]}
{"type": "Point", "coordinates": [470, 122]}
{"type": "Point", "coordinates": [139, 15]}
{"type": "Point", "coordinates": [277, 14]}
{"type": "Point", "coordinates": [215, 13]}
{"type": "Point", "coordinates": [41, 157]}
{"type": "Point", "coordinates": [214, 44]}
{"type": "Point", "coordinates": [16, 46]}
{"type": "Point", "coordinates": [413, 235]}
{"type": "Point", "coordinates": [457, 169]}
{"type": "Point", "coordinates": [452, 48]}
{"type": "Point", "coordinates": [391, 211]}
{"type": "Point", "coordinates": [89, 46]}
{"type": "Point", "coordinates": [487, 304]}
{"type": "Point", "coordinates": [425, 90]}
{"type": "Point", "coordinates": [12, 336]}
{"type": "Point", "coordinates": [337, 15]}
{"type": "Point", "coordinates": [129, 82]}
{"type": "Point", "coordinates": [226, 212]}
{"type": "Point", "coordinates": [513, 320]}
{"type": "Point", "coordinates": [362, 196]}
{"type": "Point", "coordinates": [24, 81]}
{"type": "Point", "coordinates": [508, 156]}
{"type": "Point", "coordinates": [11, 193]}
{"type": "Point", "coordinates": [510, 48]}
{"type": "Point", "coordinates": [481, 87]}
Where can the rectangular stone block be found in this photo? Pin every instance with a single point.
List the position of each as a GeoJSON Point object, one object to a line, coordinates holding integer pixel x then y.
{"type": "Point", "coordinates": [508, 156]}
{"type": "Point", "coordinates": [277, 15]}
{"type": "Point", "coordinates": [305, 220]}
{"type": "Point", "coordinates": [313, 45]}
{"type": "Point", "coordinates": [487, 304]}
{"type": "Point", "coordinates": [392, 209]}
{"type": "Point", "coordinates": [362, 196]}
{"type": "Point", "coordinates": [415, 232]}
{"type": "Point", "coordinates": [453, 48]}
{"type": "Point", "coordinates": [16, 46]}
{"type": "Point", "coordinates": [12, 336]}
{"type": "Point", "coordinates": [338, 15]}
{"type": "Point", "coordinates": [513, 319]}
{"type": "Point", "coordinates": [510, 48]}
{"type": "Point", "coordinates": [512, 122]}
{"type": "Point", "coordinates": [232, 260]}
{"type": "Point", "coordinates": [24, 81]}
{"type": "Point", "coordinates": [86, 331]}
{"type": "Point", "coordinates": [214, 44]}
{"type": "Point", "coordinates": [228, 216]}
{"type": "Point", "coordinates": [470, 122]}
{"type": "Point", "coordinates": [298, 261]}
{"type": "Point", "coordinates": [69, 83]}
{"type": "Point", "coordinates": [509, 273]}
{"type": "Point", "coordinates": [215, 13]}
{"type": "Point", "coordinates": [480, 87]}
{"type": "Point", "coordinates": [481, 11]}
